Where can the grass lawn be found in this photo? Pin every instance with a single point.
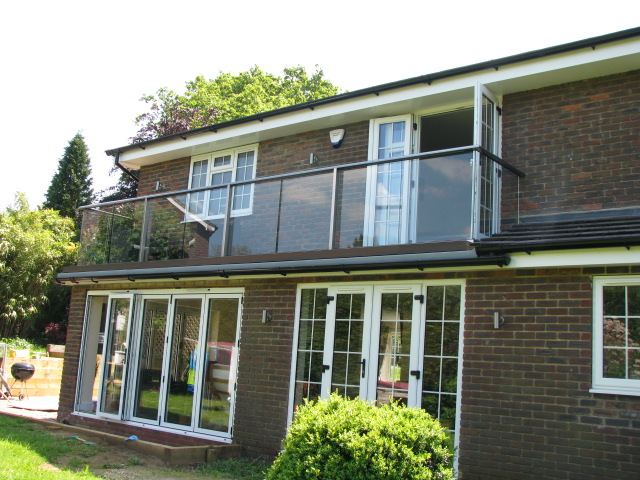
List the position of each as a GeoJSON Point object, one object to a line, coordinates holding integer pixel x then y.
{"type": "Point", "coordinates": [29, 451]}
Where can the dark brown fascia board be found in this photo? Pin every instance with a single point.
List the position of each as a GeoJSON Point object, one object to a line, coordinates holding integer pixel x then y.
{"type": "Point", "coordinates": [337, 254]}
{"type": "Point", "coordinates": [429, 78]}
{"type": "Point", "coordinates": [353, 264]}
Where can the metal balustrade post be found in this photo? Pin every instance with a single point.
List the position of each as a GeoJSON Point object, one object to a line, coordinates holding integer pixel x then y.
{"type": "Point", "coordinates": [227, 216]}
{"type": "Point", "coordinates": [144, 232]}
{"type": "Point", "coordinates": [333, 207]}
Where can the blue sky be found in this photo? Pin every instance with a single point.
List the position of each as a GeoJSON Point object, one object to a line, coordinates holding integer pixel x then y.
{"type": "Point", "coordinates": [71, 66]}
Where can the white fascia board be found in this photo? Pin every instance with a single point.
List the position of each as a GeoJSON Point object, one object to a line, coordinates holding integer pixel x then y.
{"type": "Point", "coordinates": [592, 257]}
{"type": "Point", "coordinates": [605, 59]}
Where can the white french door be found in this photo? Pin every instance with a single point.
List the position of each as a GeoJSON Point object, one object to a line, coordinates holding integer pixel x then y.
{"type": "Point", "coordinates": [395, 342]}
{"type": "Point", "coordinates": [382, 342]}
{"type": "Point", "coordinates": [387, 195]}
{"type": "Point", "coordinates": [487, 135]}
{"type": "Point", "coordinates": [346, 351]}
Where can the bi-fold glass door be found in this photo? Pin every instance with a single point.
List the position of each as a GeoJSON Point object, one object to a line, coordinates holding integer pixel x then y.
{"type": "Point", "coordinates": [115, 354]}
{"type": "Point", "coordinates": [172, 362]}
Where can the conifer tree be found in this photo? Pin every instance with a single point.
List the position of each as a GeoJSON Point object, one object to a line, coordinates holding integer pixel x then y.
{"type": "Point", "coordinates": [71, 186]}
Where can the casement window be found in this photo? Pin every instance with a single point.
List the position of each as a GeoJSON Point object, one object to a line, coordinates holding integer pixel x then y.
{"type": "Point", "coordinates": [616, 335]}
{"type": "Point", "coordinates": [217, 170]}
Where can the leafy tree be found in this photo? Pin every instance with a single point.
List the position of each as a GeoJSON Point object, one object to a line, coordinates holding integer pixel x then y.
{"type": "Point", "coordinates": [71, 186]}
{"type": "Point", "coordinates": [227, 97]}
{"type": "Point", "coordinates": [34, 244]}
{"type": "Point", "coordinates": [127, 187]}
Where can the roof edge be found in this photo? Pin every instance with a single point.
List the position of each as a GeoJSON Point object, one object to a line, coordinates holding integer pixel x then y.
{"type": "Point", "coordinates": [591, 42]}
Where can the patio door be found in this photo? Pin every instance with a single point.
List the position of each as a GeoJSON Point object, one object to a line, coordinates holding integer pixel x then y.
{"type": "Point", "coordinates": [383, 343]}
{"type": "Point", "coordinates": [115, 355]}
{"type": "Point", "coordinates": [395, 344]}
{"type": "Point", "coordinates": [388, 184]}
{"type": "Point", "coordinates": [345, 363]}
{"type": "Point", "coordinates": [149, 359]}
{"type": "Point", "coordinates": [181, 364]}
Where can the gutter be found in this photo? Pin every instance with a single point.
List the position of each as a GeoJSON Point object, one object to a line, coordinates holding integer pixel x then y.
{"type": "Point", "coordinates": [592, 42]}
{"type": "Point", "coordinates": [420, 261]}
{"type": "Point", "coordinates": [123, 168]}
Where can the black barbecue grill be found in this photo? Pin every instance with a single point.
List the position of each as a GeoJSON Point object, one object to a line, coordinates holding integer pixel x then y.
{"type": "Point", "coordinates": [21, 372]}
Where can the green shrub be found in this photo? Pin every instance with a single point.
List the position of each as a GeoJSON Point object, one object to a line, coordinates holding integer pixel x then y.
{"type": "Point", "coordinates": [354, 440]}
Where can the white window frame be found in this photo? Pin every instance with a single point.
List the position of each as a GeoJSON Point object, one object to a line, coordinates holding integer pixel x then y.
{"type": "Point", "coordinates": [375, 288]}
{"type": "Point", "coordinates": [600, 384]}
{"type": "Point", "coordinates": [234, 152]}
{"type": "Point", "coordinates": [372, 175]}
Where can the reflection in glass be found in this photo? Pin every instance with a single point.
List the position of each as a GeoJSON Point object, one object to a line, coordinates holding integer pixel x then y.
{"type": "Point", "coordinates": [313, 311]}
{"type": "Point", "coordinates": [220, 363]}
{"type": "Point", "coordinates": [443, 198]}
{"type": "Point", "coordinates": [394, 347]}
{"type": "Point", "coordinates": [440, 362]}
{"type": "Point", "coordinates": [115, 356]}
{"type": "Point", "coordinates": [91, 362]}
{"type": "Point", "coordinates": [347, 344]}
{"type": "Point", "coordinates": [152, 334]}
{"type": "Point", "coordinates": [182, 363]}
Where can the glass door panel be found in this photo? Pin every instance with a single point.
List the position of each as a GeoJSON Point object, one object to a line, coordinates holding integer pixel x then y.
{"type": "Point", "coordinates": [220, 363]}
{"type": "Point", "coordinates": [311, 343]}
{"type": "Point", "coordinates": [181, 375]}
{"type": "Point", "coordinates": [349, 343]}
{"type": "Point", "coordinates": [115, 356]}
{"type": "Point", "coordinates": [151, 343]}
{"type": "Point", "coordinates": [388, 184]}
{"type": "Point", "coordinates": [394, 347]}
{"type": "Point", "coordinates": [440, 353]}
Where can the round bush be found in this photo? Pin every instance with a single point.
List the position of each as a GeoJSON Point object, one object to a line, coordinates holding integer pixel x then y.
{"type": "Point", "coordinates": [354, 440]}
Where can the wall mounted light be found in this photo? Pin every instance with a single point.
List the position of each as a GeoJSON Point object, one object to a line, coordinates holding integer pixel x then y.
{"type": "Point", "coordinates": [336, 137]}
{"type": "Point", "coordinates": [313, 159]}
{"type": "Point", "coordinates": [266, 316]}
{"type": "Point", "coordinates": [498, 320]}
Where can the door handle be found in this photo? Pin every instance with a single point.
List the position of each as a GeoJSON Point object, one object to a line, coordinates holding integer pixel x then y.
{"type": "Point", "coordinates": [415, 373]}
{"type": "Point", "coordinates": [363, 367]}
{"type": "Point", "coordinates": [325, 368]}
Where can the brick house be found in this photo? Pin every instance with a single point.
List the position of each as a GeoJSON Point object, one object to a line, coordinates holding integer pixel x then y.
{"type": "Point", "coordinates": [467, 242]}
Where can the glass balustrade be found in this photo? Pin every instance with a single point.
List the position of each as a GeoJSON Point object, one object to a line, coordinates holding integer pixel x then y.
{"type": "Point", "coordinates": [423, 198]}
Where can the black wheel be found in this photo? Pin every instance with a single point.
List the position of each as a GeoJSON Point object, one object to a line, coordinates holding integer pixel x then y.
{"type": "Point", "coordinates": [21, 397]}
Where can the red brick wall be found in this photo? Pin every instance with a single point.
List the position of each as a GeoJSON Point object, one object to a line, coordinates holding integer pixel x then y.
{"type": "Point", "coordinates": [578, 144]}
{"type": "Point", "coordinates": [173, 174]}
{"type": "Point", "coordinates": [526, 408]}
{"type": "Point", "coordinates": [291, 153]}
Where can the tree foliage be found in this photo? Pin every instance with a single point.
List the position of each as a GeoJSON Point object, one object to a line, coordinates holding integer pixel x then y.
{"type": "Point", "coordinates": [71, 186]}
{"type": "Point", "coordinates": [227, 97]}
{"type": "Point", "coordinates": [34, 244]}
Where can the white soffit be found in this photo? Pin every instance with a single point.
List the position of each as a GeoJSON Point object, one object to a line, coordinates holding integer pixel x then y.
{"type": "Point", "coordinates": [605, 59]}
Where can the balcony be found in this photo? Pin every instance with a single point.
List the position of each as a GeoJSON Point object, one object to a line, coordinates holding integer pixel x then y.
{"type": "Point", "coordinates": [444, 196]}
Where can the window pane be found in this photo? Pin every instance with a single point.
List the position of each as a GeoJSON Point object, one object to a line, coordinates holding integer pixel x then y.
{"type": "Point", "coordinates": [433, 337]}
{"type": "Point", "coordinates": [614, 363]}
{"type": "Point", "coordinates": [452, 303]}
{"type": "Point", "coordinates": [633, 324]}
{"type": "Point", "coordinates": [431, 374]}
{"type": "Point", "coordinates": [633, 298]}
{"type": "Point", "coordinates": [634, 364]}
{"type": "Point", "coordinates": [450, 340]}
{"type": "Point", "coordinates": [614, 302]}
{"type": "Point", "coordinates": [614, 332]}
{"type": "Point", "coordinates": [434, 303]}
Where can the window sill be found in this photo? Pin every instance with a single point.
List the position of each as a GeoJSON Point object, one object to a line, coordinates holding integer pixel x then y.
{"type": "Point", "coordinates": [631, 391]}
